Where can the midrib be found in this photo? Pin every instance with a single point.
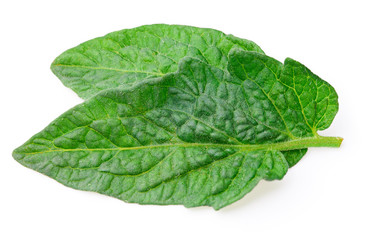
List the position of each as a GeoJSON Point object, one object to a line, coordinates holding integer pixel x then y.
{"type": "Point", "coordinates": [299, 143]}
{"type": "Point", "coordinates": [110, 69]}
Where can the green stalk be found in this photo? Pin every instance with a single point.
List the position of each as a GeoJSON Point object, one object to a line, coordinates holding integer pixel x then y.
{"type": "Point", "coordinates": [317, 141]}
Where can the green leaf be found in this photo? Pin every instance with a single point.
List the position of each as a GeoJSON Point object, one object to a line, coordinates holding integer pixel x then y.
{"type": "Point", "coordinates": [128, 56]}
{"type": "Point", "coordinates": [293, 156]}
{"type": "Point", "coordinates": [201, 136]}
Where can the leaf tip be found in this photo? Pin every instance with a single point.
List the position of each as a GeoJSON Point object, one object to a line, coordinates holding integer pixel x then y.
{"type": "Point", "coordinates": [17, 155]}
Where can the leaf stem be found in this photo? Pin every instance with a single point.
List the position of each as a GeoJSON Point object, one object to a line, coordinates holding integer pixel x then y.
{"type": "Point", "coordinates": [317, 141]}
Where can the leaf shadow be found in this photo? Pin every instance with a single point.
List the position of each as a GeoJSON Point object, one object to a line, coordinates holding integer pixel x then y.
{"type": "Point", "coordinates": [259, 193]}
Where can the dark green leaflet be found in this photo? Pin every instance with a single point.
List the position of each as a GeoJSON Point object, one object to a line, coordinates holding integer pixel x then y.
{"type": "Point", "coordinates": [128, 56]}
{"type": "Point", "coordinates": [201, 136]}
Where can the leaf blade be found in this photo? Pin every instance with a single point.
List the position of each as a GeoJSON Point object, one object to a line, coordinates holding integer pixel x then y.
{"type": "Point", "coordinates": [127, 56]}
{"type": "Point", "coordinates": [188, 138]}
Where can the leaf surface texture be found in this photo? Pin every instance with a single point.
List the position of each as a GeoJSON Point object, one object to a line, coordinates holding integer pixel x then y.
{"type": "Point", "coordinates": [125, 57]}
{"type": "Point", "coordinates": [199, 136]}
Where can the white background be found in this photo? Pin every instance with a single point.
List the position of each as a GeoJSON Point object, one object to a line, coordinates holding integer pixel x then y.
{"type": "Point", "coordinates": [323, 197]}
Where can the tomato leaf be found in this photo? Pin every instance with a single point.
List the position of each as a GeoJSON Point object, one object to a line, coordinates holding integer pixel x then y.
{"type": "Point", "coordinates": [128, 56]}
{"type": "Point", "coordinates": [200, 136]}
